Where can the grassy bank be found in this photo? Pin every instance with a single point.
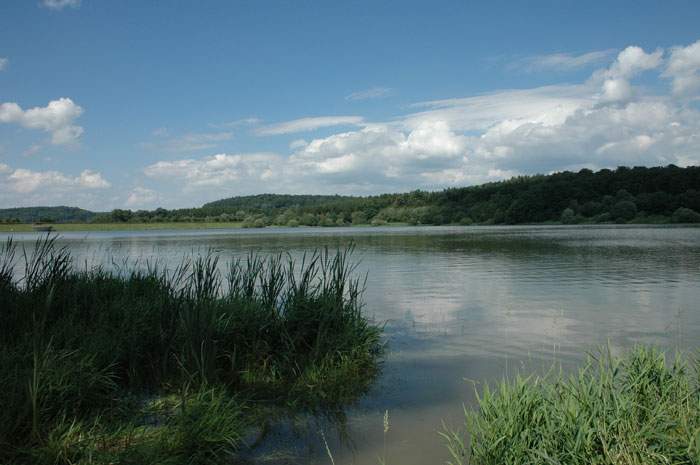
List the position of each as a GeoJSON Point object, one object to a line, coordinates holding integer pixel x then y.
{"type": "Point", "coordinates": [172, 366]}
{"type": "Point", "coordinates": [635, 410]}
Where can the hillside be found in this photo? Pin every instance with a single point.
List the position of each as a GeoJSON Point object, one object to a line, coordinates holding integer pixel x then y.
{"type": "Point", "coordinates": [46, 215]}
{"type": "Point", "coordinates": [625, 195]}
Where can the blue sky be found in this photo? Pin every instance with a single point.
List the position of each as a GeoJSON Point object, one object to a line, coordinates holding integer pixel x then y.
{"type": "Point", "coordinates": [139, 104]}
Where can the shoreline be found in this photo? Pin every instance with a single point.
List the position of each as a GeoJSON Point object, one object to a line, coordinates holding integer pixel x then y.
{"type": "Point", "coordinates": [95, 227]}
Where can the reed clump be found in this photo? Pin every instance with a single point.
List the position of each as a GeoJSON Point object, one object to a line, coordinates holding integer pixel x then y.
{"type": "Point", "coordinates": [171, 366]}
{"type": "Point", "coordinates": [638, 409]}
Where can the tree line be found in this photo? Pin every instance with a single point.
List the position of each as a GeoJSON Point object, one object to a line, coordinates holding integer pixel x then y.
{"type": "Point", "coordinates": [624, 195]}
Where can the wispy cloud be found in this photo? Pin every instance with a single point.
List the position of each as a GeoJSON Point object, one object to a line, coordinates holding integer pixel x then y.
{"type": "Point", "coordinates": [60, 4]}
{"type": "Point", "coordinates": [371, 93]}
{"type": "Point", "coordinates": [250, 121]}
{"type": "Point", "coordinates": [3, 63]}
{"type": "Point", "coordinates": [309, 124]}
{"type": "Point", "coordinates": [188, 142]}
{"type": "Point", "coordinates": [220, 170]}
{"type": "Point", "coordinates": [562, 61]}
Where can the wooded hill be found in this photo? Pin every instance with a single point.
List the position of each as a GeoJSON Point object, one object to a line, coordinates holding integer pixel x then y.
{"type": "Point", "coordinates": [636, 195]}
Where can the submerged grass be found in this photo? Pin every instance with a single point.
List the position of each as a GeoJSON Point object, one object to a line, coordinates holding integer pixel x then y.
{"type": "Point", "coordinates": [639, 409]}
{"type": "Point", "coordinates": [171, 366]}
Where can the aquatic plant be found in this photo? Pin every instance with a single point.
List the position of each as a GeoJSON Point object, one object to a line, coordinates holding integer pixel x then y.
{"type": "Point", "coordinates": [83, 349]}
{"type": "Point", "coordinates": [639, 409]}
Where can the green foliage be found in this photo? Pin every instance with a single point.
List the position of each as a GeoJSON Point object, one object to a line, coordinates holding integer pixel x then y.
{"type": "Point", "coordinates": [638, 410]}
{"type": "Point", "coordinates": [81, 349]}
{"type": "Point", "coordinates": [568, 216]}
{"type": "Point", "coordinates": [45, 215]}
{"type": "Point", "coordinates": [624, 210]}
{"type": "Point", "coordinates": [686, 215]}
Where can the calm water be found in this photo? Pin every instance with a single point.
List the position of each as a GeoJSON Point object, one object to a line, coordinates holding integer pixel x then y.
{"type": "Point", "coordinates": [464, 305]}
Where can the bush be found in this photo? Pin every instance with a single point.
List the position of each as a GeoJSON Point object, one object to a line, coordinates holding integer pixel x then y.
{"type": "Point", "coordinates": [686, 215]}
{"type": "Point", "coordinates": [568, 216]}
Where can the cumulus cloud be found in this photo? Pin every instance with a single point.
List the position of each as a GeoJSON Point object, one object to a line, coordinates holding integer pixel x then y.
{"type": "Point", "coordinates": [371, 93]}
{"type": "Point", "coordinates": [218, 170]}
{"type": "Point", "coordinates": [684, 69]}
{"type": "Point", "coordinates": [25, 187]}
{"type": "Point", "coordinates": [380, 154]}
{"type": "Point", "coordinates": [630, 62]}
{"type": "Point", "coordinates": [57, 118]}
{"type": "Point", "coordinates": [600, 123]}
{"type": "Point", "coordinates": [141, 196]}
{"type": "Point", "coordinates": [309, 124]}
{"type": "Point", "coordinates": [60, 4]}
{"type": "Point", "coordinates": [3, 63]}
{"type": "Point", "coordinates": [26, 181]}
{"type": "Point", "coordinates": [562, 61]}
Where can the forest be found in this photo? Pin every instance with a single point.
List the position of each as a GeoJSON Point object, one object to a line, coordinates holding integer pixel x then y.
{"type": "Point", "coordinates": [625, 195]}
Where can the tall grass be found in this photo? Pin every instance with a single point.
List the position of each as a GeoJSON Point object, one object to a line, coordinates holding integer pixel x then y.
{"type": "Point", "coordinates": [81, 349]}
{"type": "Point", "coordinates": [639, 409]}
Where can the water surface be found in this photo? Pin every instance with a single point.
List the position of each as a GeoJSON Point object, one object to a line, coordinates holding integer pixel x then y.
{"type": "Point", "coordinates": [463, 305]}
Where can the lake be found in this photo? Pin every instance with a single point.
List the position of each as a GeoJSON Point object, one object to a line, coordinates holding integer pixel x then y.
{"type": "Point", "coordinates": [462, 305]}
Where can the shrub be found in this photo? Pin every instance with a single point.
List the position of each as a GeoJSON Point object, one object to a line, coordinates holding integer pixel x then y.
{"type": "Point", "coordinates": [686, 215]}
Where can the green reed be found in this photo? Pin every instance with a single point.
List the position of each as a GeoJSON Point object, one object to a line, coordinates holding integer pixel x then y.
{"type": "Point", "coordinates": [639, 409]}
{"type": "Point", "coordinates": [171, 366]}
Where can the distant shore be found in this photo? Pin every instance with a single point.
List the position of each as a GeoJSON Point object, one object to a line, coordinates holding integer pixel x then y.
{"type": "Point", "coordinates": [92, 227]}
{"type": "Point", "coordinates": [67, 227]}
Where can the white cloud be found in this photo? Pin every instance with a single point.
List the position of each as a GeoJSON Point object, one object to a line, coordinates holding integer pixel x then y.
{"type": "Point", "coordinates": [475, 139]}
{"type": "Point", "coordinates": [250, 121]}
{"type": "Point", "coordinates": [190, 142]}
{"type": "Point", "coordinates": [3, 63]}
{"type": "Point", "coordinates": [60, 4]}
{"type": "Point", "coordinates": [56, 118]}
{"type": "Point", "coordinates": [633, 60]}
{"type": "Point", "coordinates": [684, 69]}
{"type": "Point", "coordinates": [140, 197]}
{"type": "Point", "coordinates": [25, 181]}
{"type": "Point", "coordinates": [92, 180]}
{"type": "Point", "coordinates": [548, 105]}
{"type": "Point", "coordinates": [380, 153]}
{"type": "Point", "coordinates": [309, 124]}
{"type": "Point", "coordinates": [603, 122]}
{"type": "Point", "coordinates": [630, 62]}
{"type": "Point", "coordinates": [562, 61]}
{"type": "Point", "coordinates": [23, 187]}
{"type": "Point", "coordinates": [297, 144]}
{"type": "Point", "coordinates": [371, 93]}
{"type": "Point", "coordinates": [48, 183]}
{"type": "Point", "coordinates": [219, 170]}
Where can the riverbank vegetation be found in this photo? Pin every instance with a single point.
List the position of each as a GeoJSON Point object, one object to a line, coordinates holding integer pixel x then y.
{"type": "Point", "coordinates": [625, 195]}
{"type": "Point", "coordinates": [639, 409]}
{"type": "Point", "coordinates": [147, 365]}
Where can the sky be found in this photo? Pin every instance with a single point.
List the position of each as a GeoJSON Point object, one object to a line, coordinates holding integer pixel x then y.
{"type": "Point", "coordinates": [143, 104]}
